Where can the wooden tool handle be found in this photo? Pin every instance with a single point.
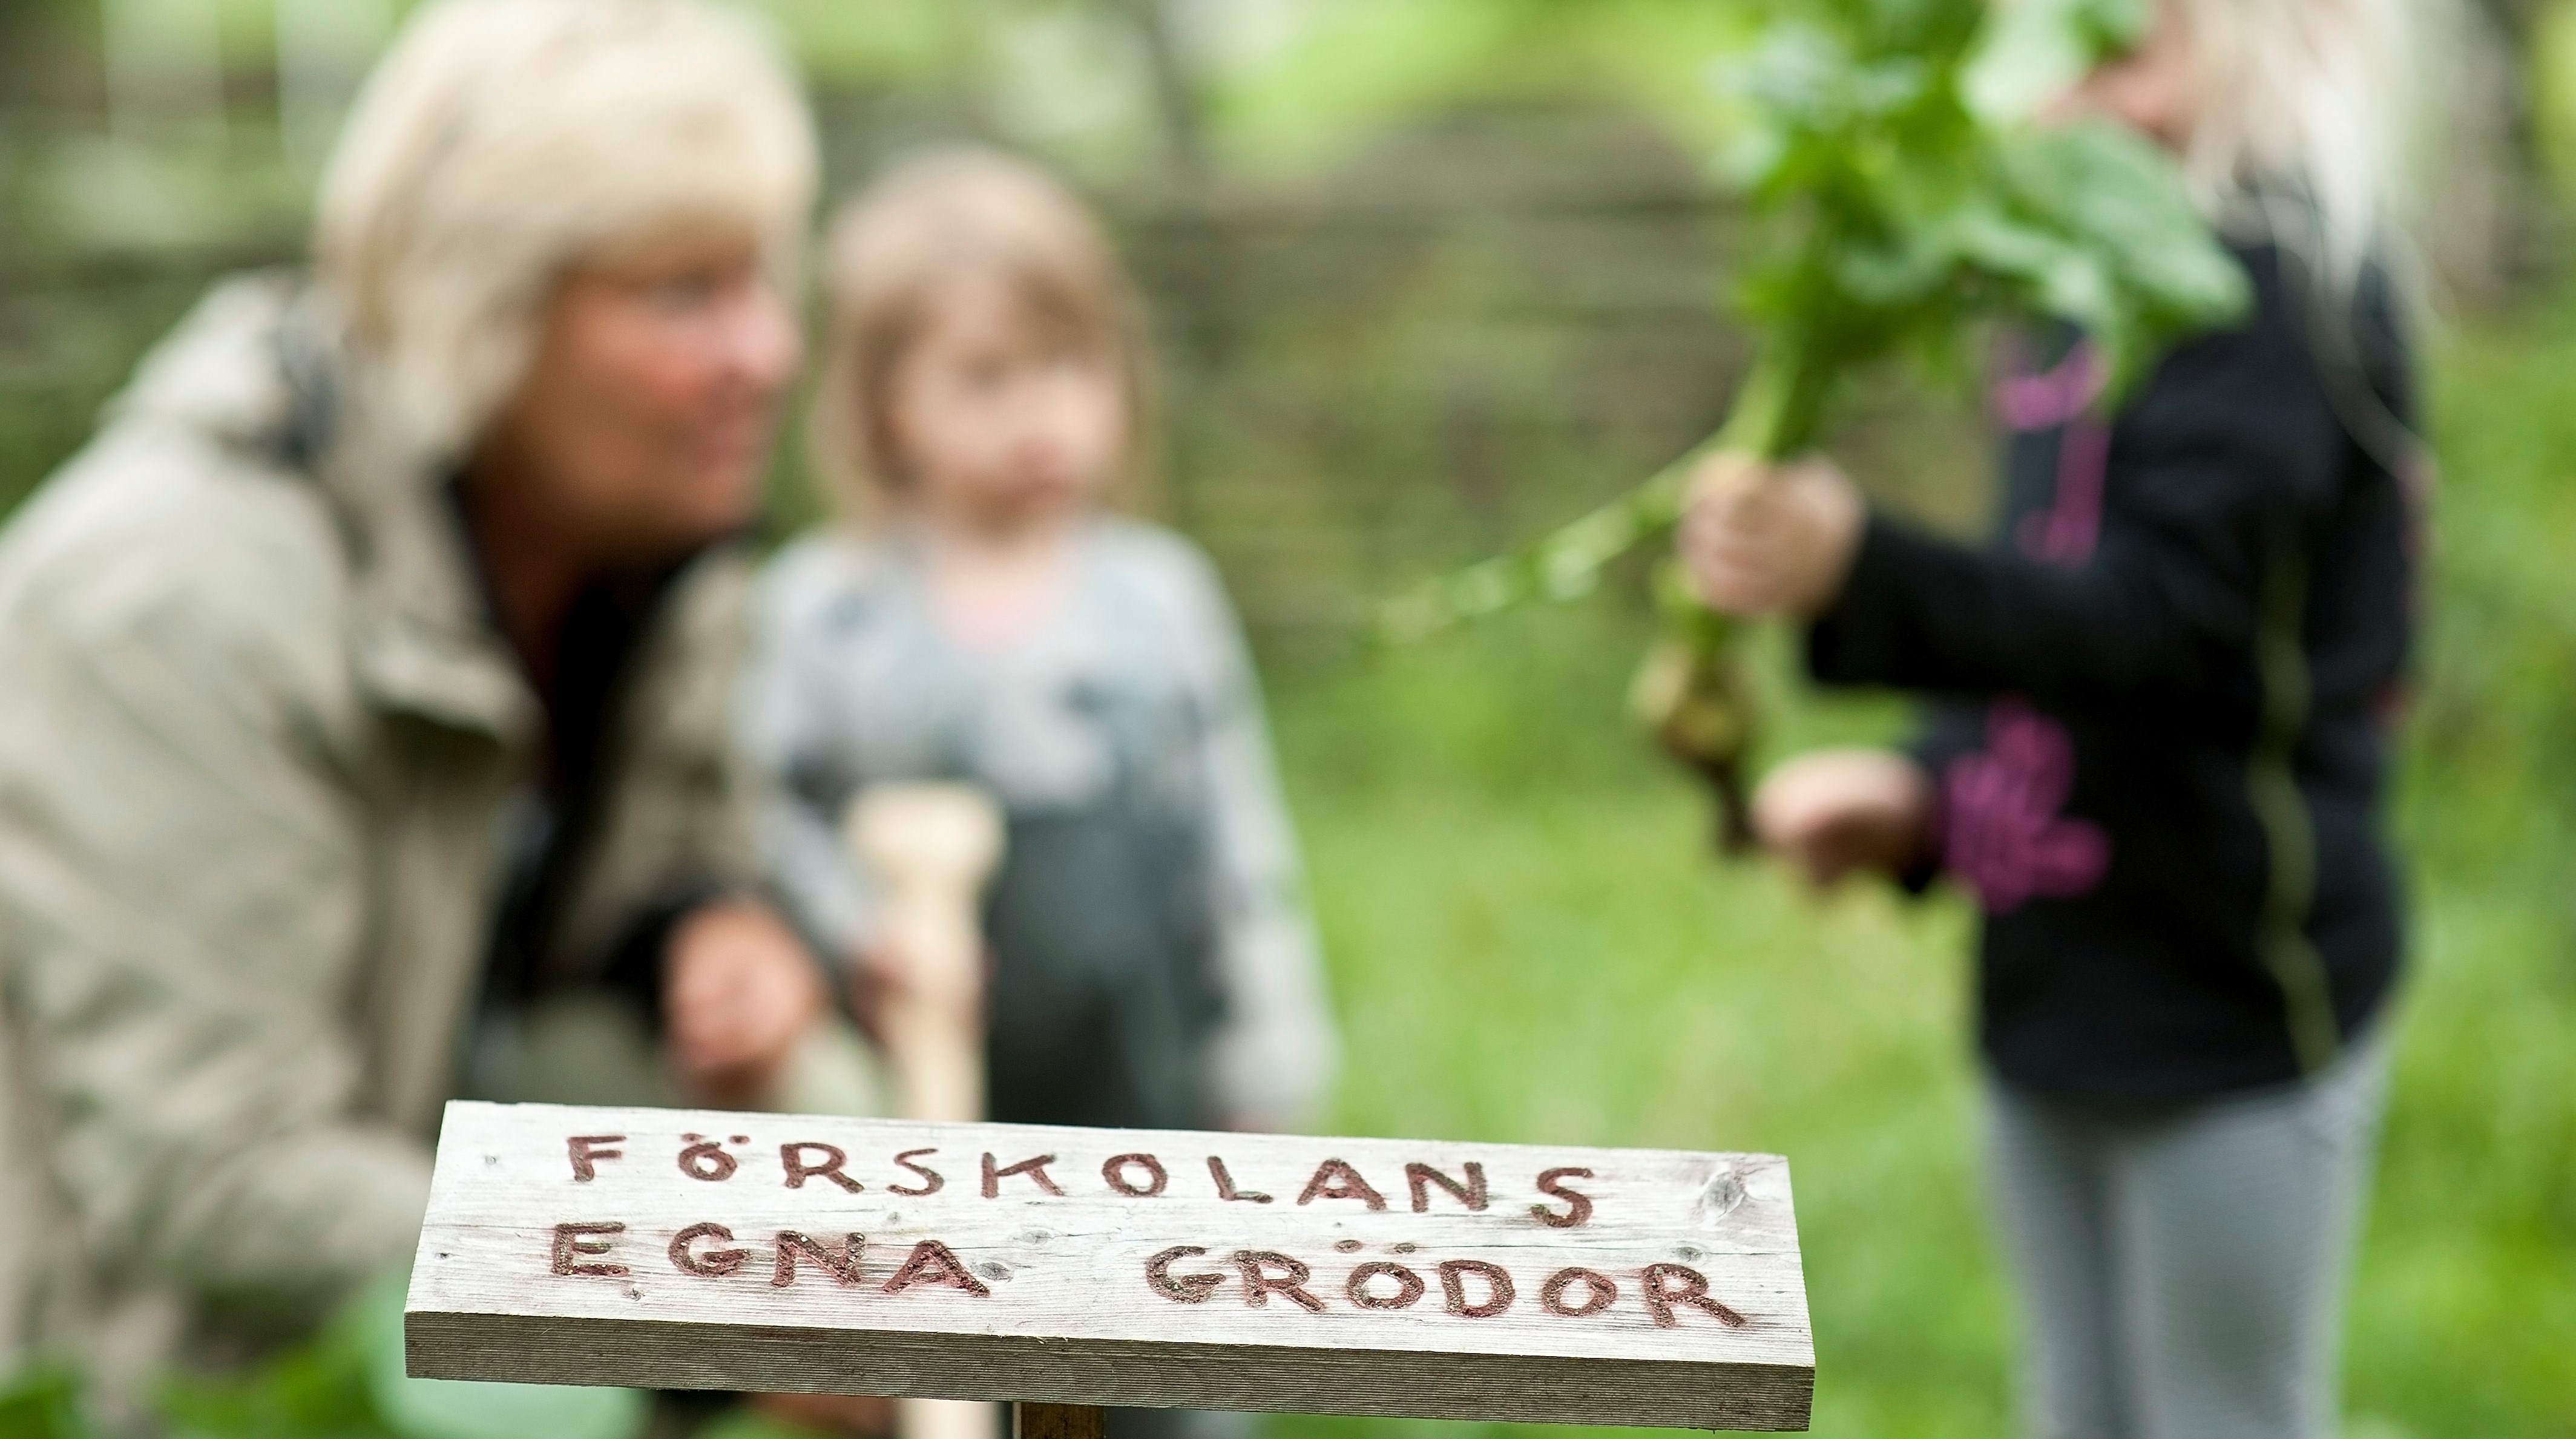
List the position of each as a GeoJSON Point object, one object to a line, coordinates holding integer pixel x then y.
{"type": "Point", "coordinates": [932, 848]}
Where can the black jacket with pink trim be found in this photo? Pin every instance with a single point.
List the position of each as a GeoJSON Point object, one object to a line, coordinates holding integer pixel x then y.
{"type": "Point", "coordinates": [2161, 696]}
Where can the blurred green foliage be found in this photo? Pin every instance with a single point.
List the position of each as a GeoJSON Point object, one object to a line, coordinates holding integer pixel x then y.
{"type": "Point", "coordinates": [42, 1403]}
{"type": "Point", "coordinates": [346, 1382]}
{"type": "Point", "coordinates": [1454, 273]}
{"type": "Point", "coordinates": [1901, 199]}
{"type": "Point", "coordinates": [1110, 87]}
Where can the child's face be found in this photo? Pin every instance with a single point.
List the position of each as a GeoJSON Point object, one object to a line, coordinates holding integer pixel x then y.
{"type": "Point", "coordinates": [999, 423]}
{"type": "Point", "coordinates": [2151, 88]}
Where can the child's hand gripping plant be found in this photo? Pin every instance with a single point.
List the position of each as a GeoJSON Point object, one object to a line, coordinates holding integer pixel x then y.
{"type": "Point", "coordinates": [1904, 195]}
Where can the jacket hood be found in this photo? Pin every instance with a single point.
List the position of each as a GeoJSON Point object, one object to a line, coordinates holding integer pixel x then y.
{"type": "Point", "coordinates": [224, 370]}
{"type": "Point", "coordinates": [260, 369]}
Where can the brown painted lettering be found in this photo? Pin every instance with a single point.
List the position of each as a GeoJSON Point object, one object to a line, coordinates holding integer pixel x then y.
{"type": "Point", "coordinates": [1578, 1207]}
{"type": "Point", "coordinates": [1259, 1283]}
{"type": "Point", "coordinates": [1408, 1285]}
{"type": "Point", "coordinates": [1453, 1288]}
{"type": "Point", "coordinates": [932, 1262]}
{"type": "Point", "coordinates": [585, 1148]}
{"type": "Point", "coordinates": [1336, 1179]}
{"type": "Point", "coordinates": [1180, 1288]}
{"type": "Point", "coordinates": [931, 1180]}
{"type": "Point", "coordinates": [1033, 1168]}
{"type": "Point", "coordinates": [791, 1157]}
{"type": "Point", "coordinates": [1598, 1292]}
{"type": "Point", "coordinates": [841, 1261]}
{"type": "Point", "coordinates": [1225, 1184]}
{"type": "Point", "coordinates": [574, 1240]}
{"type": "Point", "coordinates": [714, 1263]}
{"type": "Point", "coordinates": [1666, 1285]}
{"type": "Point", "coordinates": [706, 1159]}
{"type": "Point", "coordinates": [1115, 1173]}
{"type": "Point", "coordinates": [1420, 1177]}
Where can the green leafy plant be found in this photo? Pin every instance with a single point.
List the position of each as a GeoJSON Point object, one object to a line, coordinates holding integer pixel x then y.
{"type": "Point", "coordinates": [346, 1382]}
{"type": "Point", "coordinates": [43, 1403]}
{"type": "Point", "coordinates": [1905, 195]}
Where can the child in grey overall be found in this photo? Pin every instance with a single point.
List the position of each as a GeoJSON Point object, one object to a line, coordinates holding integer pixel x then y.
{"type": "Point", "coordinates": [983, 613]}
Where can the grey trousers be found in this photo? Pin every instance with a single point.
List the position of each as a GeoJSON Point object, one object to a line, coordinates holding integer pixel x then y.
{"type": "Point", "coordinates": [2181, 1268]}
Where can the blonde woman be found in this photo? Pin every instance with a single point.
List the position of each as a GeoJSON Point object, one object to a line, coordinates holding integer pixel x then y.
{"type": "Point", "coordinates": [369, 680]}
{"type": "Point", "coordinates": [985, 612]}
{"type": "Point", "coordinates": [2157, 750]}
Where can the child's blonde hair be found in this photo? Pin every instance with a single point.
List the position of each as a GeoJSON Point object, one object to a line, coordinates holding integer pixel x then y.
{"type": "Point", "coordinates": [952, 215]}
{"type": "Point", "coordinates": [2329, 97]}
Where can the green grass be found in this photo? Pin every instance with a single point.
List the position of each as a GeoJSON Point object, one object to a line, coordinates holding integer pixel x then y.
{"type": "Point", "coordinates": [1531, 942]}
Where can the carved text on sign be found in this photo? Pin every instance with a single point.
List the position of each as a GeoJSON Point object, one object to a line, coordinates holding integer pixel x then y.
{"type": "Point", "coordinates": [1470, 1288]}
{"type": "Point", "coordinates": [1154, 1268]}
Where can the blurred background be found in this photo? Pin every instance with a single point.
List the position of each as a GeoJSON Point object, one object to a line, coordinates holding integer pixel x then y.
{"type": "Point", "coordinates": [1428, 275]}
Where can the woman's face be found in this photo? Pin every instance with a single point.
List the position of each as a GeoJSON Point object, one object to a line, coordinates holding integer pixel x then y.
{"type": "Point", "coordinates": [2151, 88]}
{"type": "Point", "coordinates": [646, 416]}
{"type": "Point", "coordinates": [998, 422]}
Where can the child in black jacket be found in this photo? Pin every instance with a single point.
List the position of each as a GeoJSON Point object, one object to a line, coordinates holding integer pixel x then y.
{"type": "Point", "coordinates": [2155, 752]}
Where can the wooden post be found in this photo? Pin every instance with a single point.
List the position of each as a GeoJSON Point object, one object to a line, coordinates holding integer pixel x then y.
{"type": "Point", "coordinates": [1058, 1421]}
{"type": "Point", "coordinates": [932, 847]}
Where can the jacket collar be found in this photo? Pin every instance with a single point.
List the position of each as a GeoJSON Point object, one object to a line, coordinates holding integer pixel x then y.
{"type": "Point", "coordinates": [421, 634]}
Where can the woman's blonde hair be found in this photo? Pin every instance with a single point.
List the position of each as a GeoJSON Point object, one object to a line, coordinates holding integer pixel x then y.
{"type": "Point", "coordinates": [950, 215]}
{"type": "Point", "coordinates": [2309, 113]}
{"type": "Point", "coordinates": [502, 142]}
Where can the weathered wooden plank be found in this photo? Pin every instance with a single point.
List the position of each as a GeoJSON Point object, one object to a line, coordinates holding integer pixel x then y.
{"type": "Point", "coordinates": [684, 1249]}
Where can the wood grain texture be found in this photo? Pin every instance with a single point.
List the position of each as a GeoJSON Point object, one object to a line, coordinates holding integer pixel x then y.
{"type": "Point", "coordinates": [1344, 1276]}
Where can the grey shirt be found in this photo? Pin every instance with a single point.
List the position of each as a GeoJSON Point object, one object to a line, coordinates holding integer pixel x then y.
{"type": "Point", "coordinates": [1152, 887]}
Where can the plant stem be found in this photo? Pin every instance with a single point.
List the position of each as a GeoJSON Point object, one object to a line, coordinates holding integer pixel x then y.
{"type": "Point", "coordinates": [1774, 416]}
{"type": "Point", "coordinates": [1777, 409]}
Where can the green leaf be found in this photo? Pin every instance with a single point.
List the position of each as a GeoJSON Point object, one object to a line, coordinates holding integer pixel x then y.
{"type": "Point", "coordinates": [2121, 200]}
{"type": "Point", "coordinates": [347, 1382]}
{"type": "Point", "coordinates": [2034, 50]}
{"type": "Point", "coordinates": [43, 1402]}
{"type": "Point", "coordinates": [455, 1409]}
{"type": "Point", "coordinates": [315, 1391]}
{"type": "Point", "coordinates": [1901, 200]}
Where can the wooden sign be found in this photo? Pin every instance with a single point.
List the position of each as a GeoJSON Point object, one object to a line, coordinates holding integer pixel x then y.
{"type": "Point", "coordinates": [1163, 1269]}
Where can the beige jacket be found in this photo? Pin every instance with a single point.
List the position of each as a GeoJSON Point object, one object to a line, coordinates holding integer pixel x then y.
{"type": "Point", "coordinates": [256, 734]}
